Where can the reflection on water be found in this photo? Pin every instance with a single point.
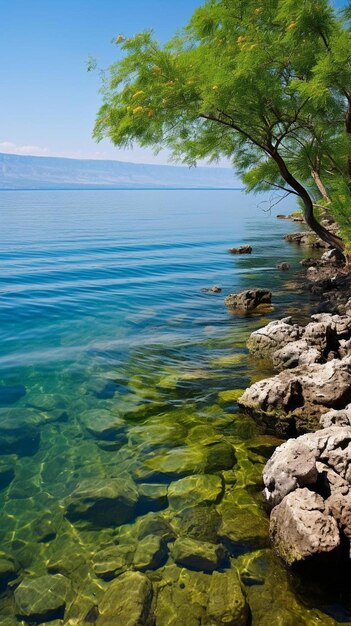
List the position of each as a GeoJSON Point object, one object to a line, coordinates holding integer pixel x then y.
{"type": "Point", "coordinates": [122, 448]}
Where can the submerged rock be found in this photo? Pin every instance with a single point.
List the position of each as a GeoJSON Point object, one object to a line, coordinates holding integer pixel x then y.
{"type": "Point", "coordinates": [301, 527]}
{"type": "Point", "coordinates": [199, 555]}
{"type": "Point", "coordinates": [19, 432]}
{"type": "Point", "coordinates": [248, 300]}
{"type": "Point", "coordinates": [103, 502]}
{"type": "Point", "coordinates": [182, 597]}
{"type": "Point", "coordinates": [198, 522]}
{"type": "Point", "coordinates": [46, 401]}
{"type": "Point", "coordinates": [188, 598]}
{"type": "Point", "coordinates": [9, 394]}
{"type": "Point", "coordinates": [152, 497]}
{"type": "Point", "coordinates": [219, 456]}
{"type": "Point", "coordinates": [227, 602]}
{"type": "Point", "coordinates": [7, 472]}
{"type": "Point", "coordinates": [242, 528]}
{"type": "Point", "coordinates": [42, 598]}
{"type": "Point", "coordinates": [151, 553]}
{"type": "Point", "coordinates": [105, 426]}
{"type": "Point", "coordinates": [194, 490]}
{"type": "Point", "coordinates": [8, 570]}
{"type": "Point", "coordinates": [127, 601]}
{"type": "Point", "coordinates": [113, 561]}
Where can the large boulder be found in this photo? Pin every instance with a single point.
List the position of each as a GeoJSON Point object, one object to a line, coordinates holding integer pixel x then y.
{"type": "Point", "coordinates": [43, 598]}
{"type": "Point", "coordinates": [292, 465]}
{"type": "Point", "coordinates": [248, 300]}
{"type": "Point", "coordinates": [301, 527]}
{"type": "Point", "coordinates": [103, 502]}
{"type": "Point", "coordinates": [274, 336]}
{"type": "Point", "coordinates": [127, 601]}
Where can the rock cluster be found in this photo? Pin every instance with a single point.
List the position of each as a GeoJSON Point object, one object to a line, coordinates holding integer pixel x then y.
{"type": "Point", "coordinates": [308, 483]}
{"type": "Point", "coordinates": [315, 372]}
{"type": "Point", "coordinates": [308, 478]}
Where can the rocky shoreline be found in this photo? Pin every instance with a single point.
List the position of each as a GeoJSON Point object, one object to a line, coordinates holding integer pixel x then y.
{"type": "Point", "coordinates": [308, 478]}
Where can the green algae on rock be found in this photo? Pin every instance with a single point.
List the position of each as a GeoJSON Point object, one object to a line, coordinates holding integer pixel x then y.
{"type": "Point", "coordinates": [103, 502]}
{"type": "Point", "coordinates": [129, 597]}
{"type": "Point", "coordinates": [199, 555]}
{"type": "Point", "coordinates": [43, 598]}
{"type": "Point", "coordinates": [193, 490]}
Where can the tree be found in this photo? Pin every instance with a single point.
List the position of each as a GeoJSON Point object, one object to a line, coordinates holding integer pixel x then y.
{"type": "Point", "coordinates": [265, 84]}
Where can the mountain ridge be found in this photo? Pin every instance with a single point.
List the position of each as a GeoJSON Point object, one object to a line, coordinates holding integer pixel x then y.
{"type": "Point", "coordinates": [26, 172]}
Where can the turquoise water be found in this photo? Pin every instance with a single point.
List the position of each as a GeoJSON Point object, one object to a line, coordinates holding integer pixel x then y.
{"type": "Point", "coordinates": [115, 365]}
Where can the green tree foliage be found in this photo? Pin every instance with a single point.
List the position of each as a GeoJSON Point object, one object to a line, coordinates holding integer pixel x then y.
{"type": "Point", "coordinates": [265, 83]}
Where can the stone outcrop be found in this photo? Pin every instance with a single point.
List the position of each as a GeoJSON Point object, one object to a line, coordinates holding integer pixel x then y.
{"type": "Point", "coordinates": [308, 479]}
{"type": "Point", "coordinates": [283, 267]}
{"type": "Point", "coordinates": [266, 340]}
{"type": "Point", "coordinates": [315, 372]}
{"type": "Point", "coordinates": [306, 239]}
{"type": "Point", "coordinates": [248, 300]}
{"type": "Point", "coordinates": [308, 484]}
{"type": "Point", "coordinates": [245, 249]}
{"type": "Point", "coordinates": [213, 289]}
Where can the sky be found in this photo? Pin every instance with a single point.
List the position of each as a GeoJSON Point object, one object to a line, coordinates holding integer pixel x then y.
{"type": "Point", "coordinates": [48, 100]}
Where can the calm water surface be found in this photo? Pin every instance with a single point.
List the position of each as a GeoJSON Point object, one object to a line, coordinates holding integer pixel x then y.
{"type": "Point", "coordinates": [114, 363]}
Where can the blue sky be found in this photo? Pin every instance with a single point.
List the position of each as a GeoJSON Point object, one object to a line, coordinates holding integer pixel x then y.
{"type": "Point", "coordinates": [48, 100]}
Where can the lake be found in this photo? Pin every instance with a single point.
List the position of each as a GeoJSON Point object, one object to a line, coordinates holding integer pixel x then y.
{"type": "Point", "coordinates": [118, 378]}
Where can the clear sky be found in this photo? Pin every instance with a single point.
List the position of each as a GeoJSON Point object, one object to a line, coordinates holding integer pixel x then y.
{"type": "Point", "coordinates": [48, 100]}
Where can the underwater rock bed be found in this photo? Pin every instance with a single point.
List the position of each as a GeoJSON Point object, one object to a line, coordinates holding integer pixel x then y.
{"type": "Point", "coordinates": [118, 505]}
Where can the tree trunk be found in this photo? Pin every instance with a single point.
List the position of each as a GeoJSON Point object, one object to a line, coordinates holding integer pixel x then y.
{"type": "Point", "coordinates": [311, 221]}
{"type": "Point", "coordinates": [322, 190]}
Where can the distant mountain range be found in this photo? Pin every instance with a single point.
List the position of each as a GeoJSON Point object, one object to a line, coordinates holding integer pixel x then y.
{"type": "Point", "coordinates": [31, 172]}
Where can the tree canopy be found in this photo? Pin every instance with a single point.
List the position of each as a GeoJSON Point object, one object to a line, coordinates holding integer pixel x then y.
{"type": "Point", "coordinates": [266, 84]}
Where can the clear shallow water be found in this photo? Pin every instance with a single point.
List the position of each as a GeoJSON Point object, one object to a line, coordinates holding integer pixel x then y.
{"type": "Point", "coordinates": [102, 317]}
